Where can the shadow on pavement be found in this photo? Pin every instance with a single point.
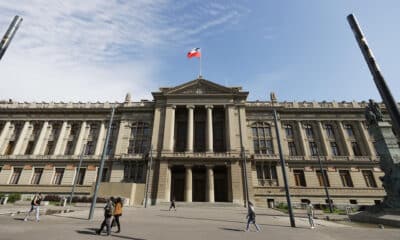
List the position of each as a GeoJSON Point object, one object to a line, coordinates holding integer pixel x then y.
{"type": "Point", "coordinates": [92, 231]}
{"type": "Point", "coordinates": [19, 219]}
{"type": "Point", "coordinates": [233, 229]}
{"type": "Point", "coordinates": [61, 216]}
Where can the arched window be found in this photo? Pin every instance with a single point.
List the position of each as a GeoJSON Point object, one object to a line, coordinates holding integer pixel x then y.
{"type": "Point", "coordinates": [139, 139]}
{"type": "Point", "coordinates": [262, 139]}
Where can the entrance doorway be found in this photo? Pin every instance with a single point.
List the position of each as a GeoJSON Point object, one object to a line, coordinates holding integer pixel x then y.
{"type": "Point", "coordinates": [199, 184]}
{"type": "Point", "coordinates": [178, 183]}
{"type": "Point", "coordinates": [221, 184]}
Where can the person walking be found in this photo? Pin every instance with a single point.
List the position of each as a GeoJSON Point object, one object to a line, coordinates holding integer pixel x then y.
{"type": "Point", "coordinates": [310, 214]}
{"type": "Point", "coordinates": [251, 217]}
{"type": "Point", "coordinates": [35, 206]}
{"type": "Point", "coordinates": [172, 205]}
{"type": "Point", "coordinates": [117, 214]}
{"type": "Point", "coordinates": [108, 213]}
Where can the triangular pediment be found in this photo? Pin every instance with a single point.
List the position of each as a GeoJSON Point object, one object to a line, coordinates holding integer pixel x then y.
{"type": "Point", "coordinates": [200, 86]}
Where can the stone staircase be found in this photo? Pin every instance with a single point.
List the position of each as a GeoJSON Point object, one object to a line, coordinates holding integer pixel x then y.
{"type": "Point", "coordinates": [201, 204]}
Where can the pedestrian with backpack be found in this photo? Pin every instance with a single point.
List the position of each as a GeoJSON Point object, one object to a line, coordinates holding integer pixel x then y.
{"type": "Point", "coordinates": [35, 206]}
{"type": "Point", "coordinates": [172, 205]}
{"type": "Point", "coordinates": [108, 214]}
{"type": "Point", "coordinates": [117, 214]}
{"type": "Point", "coordinates": [251, 217]}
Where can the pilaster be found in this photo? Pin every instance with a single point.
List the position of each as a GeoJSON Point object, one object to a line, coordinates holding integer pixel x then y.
{"type": "Point", "coordinates": [21, 138]}
{"type": "Point", "coordinates": [100, 139]}
{"type": "Point", "coordinates": [61, 138]}
{"type": "Point", "coordinates": [3, 135]}
{"type": "Point", "coordinates": [79, 141]}
{"type": "Point", "coordinates": [40, 140]}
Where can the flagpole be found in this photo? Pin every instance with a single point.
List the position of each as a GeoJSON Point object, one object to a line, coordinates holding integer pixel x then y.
{"type": "Point", "coordinates": [200, 67]}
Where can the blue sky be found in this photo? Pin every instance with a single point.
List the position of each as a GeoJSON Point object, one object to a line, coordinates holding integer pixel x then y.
{"type": "Point", "coordinates": [100, 50]}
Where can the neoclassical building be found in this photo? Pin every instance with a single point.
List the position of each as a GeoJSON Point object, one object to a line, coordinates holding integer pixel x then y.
{"type": "Point", "coordinates": [193, 135]}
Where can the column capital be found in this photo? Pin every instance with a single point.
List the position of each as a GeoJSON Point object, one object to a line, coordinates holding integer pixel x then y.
{"type": "Point", "coordinates": [209, 106]}
{"type": "Point", "coordinates": [190, 106]}
{"type": "Point", "coordinates": [173, 106]}
{"type": "Point", "coordinates": [188, 165]}
{"type": "Point", "coordinates": [208, 166]}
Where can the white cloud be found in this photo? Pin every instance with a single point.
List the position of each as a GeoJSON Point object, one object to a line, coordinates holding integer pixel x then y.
{"type": "Point", "coordinates": [98, 50]}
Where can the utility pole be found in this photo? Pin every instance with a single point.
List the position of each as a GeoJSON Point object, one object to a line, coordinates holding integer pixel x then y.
{"type": "Point", "coordinates": [148, 176]}
{"type": "Point", "coordinates": [384, 91]}
{"type": "Point", "coordinates": [77, 175]}
{"type": "Point", "coordinates": [12, 29]}
{"type": "Point", "coordinates": [325, 182]}
{"type": "Point", "coordinates": [243, 153]}
{"type": "Point", "coordinates": [283, 165]}
{"type": "Point", "coordinates": [100, 173]}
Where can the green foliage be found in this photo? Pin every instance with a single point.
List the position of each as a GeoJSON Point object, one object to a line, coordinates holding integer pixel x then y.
{"type": "Point", "coordinates": [282, 206]}
{"type": "Point", "coordinates": [13, 197]}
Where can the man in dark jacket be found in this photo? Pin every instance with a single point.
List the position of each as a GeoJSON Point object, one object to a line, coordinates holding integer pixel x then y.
{"type": "Point", "coordinates": [108, 213]}
{"type": "Point", "coordinates": [251, 217]}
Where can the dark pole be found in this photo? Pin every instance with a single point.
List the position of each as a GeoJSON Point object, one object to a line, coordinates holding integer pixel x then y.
{"type": "Point", "coordinates": [77, 175]}
{"type": "Point", "coordinates": [100, 173]}
{"type": "Point", "coordinates": [12, 29]}
{"type": "Point", "coordinates": [325, 183]}
{"type": "Point", "coordinates": [384, 91]}
{"type": "Point", "coordinates": [243, 153]}
{"type": "Point", "coordinates": [148, 176]}
{"type": "Point", "coordinates": [283, 164]}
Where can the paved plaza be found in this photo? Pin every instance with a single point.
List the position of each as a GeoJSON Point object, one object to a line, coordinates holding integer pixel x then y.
{"type": "Point", "coordinates": [186, 223]}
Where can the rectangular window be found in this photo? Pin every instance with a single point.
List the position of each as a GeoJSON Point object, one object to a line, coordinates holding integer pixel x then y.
{"type": "Point", "coordinates": [334, 149]}
{"type": "Point", "coordinates": [309, 131]}
{"type": "Point", "coordinates": [58, 176]}
{"type": "Point", "coordinates": [266, 174]}
{"type": "Point", "coordinates": [81, 176]}
{"type": "Point", "coordinates": [133, 171]}
{"type": "Point", "coordinates": [356, 149]}
{"type": "Point", "coordinates": [329, 131]}
{"type": "Point", "coordinates": [15, 176]}
{"type": "Point", "coordinates": [369, 178]}
{"type": "Point", "coordinates": [292, 149]}
{"type": "Point", "coordinates": [313, 148]}
{"type": "Point", "coordinates": [104, 176]}
{"type": "Point", "coordinates": [49, 148]}
{"type": "Point", "coordinates": [37, 175]}
{"type": "Point", "coordinates": [29, 148]}
{"type": "Point", "coordinates": [288, 131]}
{"type": "Point", "coordinates": [299, 178]}
{"type": "Point", "coordinates": [345, 178]}
{"type": "Point", "coordinates": [69, 148]}
{"type": "Point", "coordinates": [320, 176]}
{"type": "Point", "coordinates": [349, 130]}
{"type": "Point", "coordinates": [10, 148]}
{"type": "Point", "coordinates": [90, 146]}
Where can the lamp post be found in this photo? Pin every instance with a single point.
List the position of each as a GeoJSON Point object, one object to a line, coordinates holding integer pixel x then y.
{"type": "Point", "coordinates": [12, 29]}
{"type": "Point", "coordinates": [243, 153]}
{"type": "Point", "coordinates": [283, 164]}
{"type": "Point", "coordinates": [384, 91]}
{"type": "Point", "coordinates": [325, 183]}
{"type": "Point", "coordinates": [77, 175]}
{"type": "Point", "coordinates": [148, 176]}
{"type": "Point", "coordinates": [100, 173]}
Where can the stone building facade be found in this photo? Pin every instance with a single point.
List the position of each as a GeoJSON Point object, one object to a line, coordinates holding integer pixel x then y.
{"type": "Point", "coordinates": [193, 133]}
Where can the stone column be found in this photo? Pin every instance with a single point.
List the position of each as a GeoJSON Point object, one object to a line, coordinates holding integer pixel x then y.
{"type": "Point", "coordinates": [303, 141]}
{"type": "Point", "coordinates": [20, 139]}
{"type": "Point", "coordinates": [169, 129]}
{"type": "Point", "coordinates": [168, 184]}
{"type": "Point", "coordinates": [100, 140]}
{"type": "Point", "coordinates": [346, 144]}
{"type": "Point", "coordinates": [78, 145]}
{"type": "Point", "coordinates": [368, 146]}
{"type": "Point", "coordinates": [188, 183]}
{"type": "Point", "coordinates": [4, 134]}
{"type": "Point", "coordinates": [209, 131]}
{"type": "Point", "coordinates": [190, 130]}
{"type": "Point", "coordinates": [323, 139]}
{"type": "Point", "coordinates": [40, 140]}
{"type": "Point", "coordinates": [210, 184]}
{"type": "Point", "coordinates": [60, 140]}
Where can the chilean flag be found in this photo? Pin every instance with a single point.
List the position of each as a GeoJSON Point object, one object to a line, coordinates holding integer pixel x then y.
{"type": "Point", "coordinates": [195, 52]}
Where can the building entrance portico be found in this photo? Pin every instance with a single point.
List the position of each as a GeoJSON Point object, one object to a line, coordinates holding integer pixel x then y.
{"type": "Point", "coordinates": [199, 183]}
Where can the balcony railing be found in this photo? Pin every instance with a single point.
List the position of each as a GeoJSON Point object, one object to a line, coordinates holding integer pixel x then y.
{"type": "Point", "coordinates": [268, 182]}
